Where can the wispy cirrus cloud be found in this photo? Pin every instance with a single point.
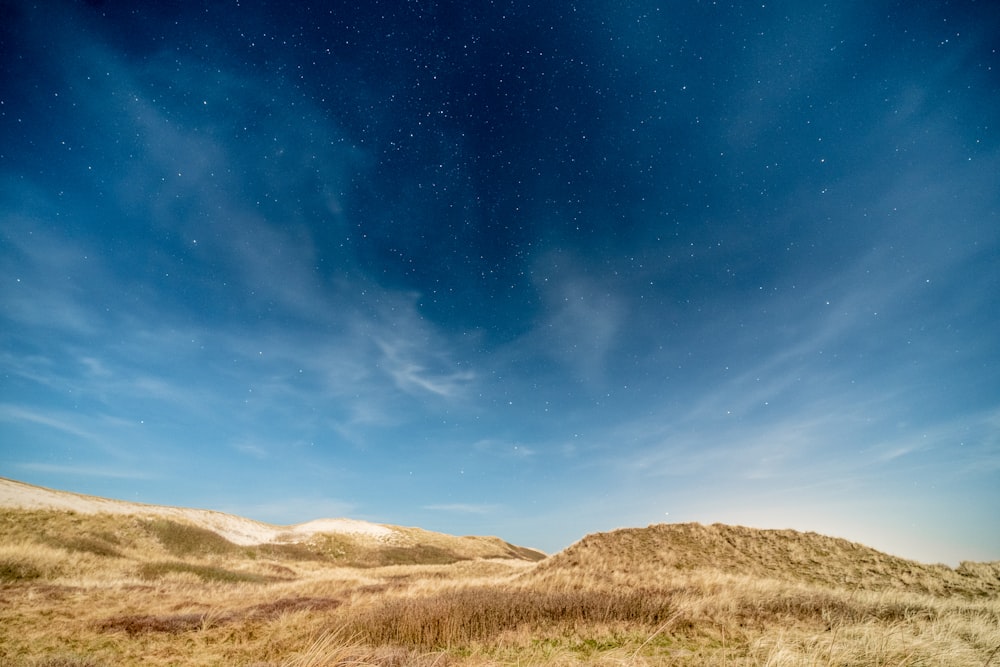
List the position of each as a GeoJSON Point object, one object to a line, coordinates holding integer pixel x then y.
{"type": "Point", "coordinates": [416, 371]}
{"type": "Point", "coordinates": [57, 420]}
{"type": "Point", "coordinates": [583, 318]}
{"type": "Point", "coordinates": [463, 508]}
{"type": "Point", "coordinates": [86, 471]}
{"type": "Point", "coordinates": [503, 448]}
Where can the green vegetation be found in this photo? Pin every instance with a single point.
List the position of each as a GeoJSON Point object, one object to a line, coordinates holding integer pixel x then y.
{"type": "Point", "coordinates": [418, 554]}
{"type": "Point", "coordinates": [157, 570]}
{"type": "Point", "coordinates": [12, 569]}
{"type": "Point", "coordinates": [294, 551]}
{"type": "Point", "coordinates": [347, 551]}
{"type": "Point", "coordinates": [97, 545]}
{"type": "Point", "coordinates": [182, 539]}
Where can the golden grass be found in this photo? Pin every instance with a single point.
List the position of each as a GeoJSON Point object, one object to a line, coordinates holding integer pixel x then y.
{"type": "Point", "coordinates": [98, 591]}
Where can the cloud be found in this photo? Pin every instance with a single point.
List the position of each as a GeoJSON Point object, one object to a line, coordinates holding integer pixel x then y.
{"type": "Point", "coordinates": [416, 357]}
{"type": "Point", "coordinates": [220, 201]}
{"type": "Point", "coordinates": [503, 448]}
{"type": "Point", "coordinates": [85, 471]}
{"type": "Point", "coordinates": [223, 299]}
{"type": "Point", "coordinates": [252, 450]}
{"type": "Point", "coordinates": [64, 423]}
{"type": "Point", "coordinates": [412, 376]}
{"type": "Point", "coordinates": [582, 317]}
{"type": "Point", "coordinates": [49, 280]}
{"type": "Point", "coordinates": [463, 508]}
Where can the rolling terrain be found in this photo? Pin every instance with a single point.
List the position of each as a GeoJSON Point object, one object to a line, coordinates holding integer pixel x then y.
{"type": "Point", "coordinates": [90, 582]}
{"type": "Point", "coordinates": [341, 541]}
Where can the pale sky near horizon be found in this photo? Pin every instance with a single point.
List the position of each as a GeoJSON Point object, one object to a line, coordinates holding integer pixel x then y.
{"type": "Point", "coordinates": [531, 270]}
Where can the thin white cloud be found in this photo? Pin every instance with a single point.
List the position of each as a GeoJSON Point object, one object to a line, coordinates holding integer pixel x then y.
{"type": "Point", "coordinates": [49, 280]}
{"type": "Point", "coordinates": [503, 448]}
{"type": "Point", "coordinates": [84, 471]}
{"type": "Point", "coordinates": [463, 508]}
{"type": "Point", "coordinates": [63, 422]}
{"type": "Point", "coordinates": [253, 450]}
{"type": "Point", "coordinates": [583, 318]}
{"type": "Point", "coordinates": [409, 366]}
{"type": "Point", "coordinates": [185, 360]}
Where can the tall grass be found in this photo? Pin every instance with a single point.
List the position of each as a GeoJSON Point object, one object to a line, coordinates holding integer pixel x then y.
{"type": "Point", "coordinates": [461, 616]}
{"type": "Point", "coordinates": [76, 592]}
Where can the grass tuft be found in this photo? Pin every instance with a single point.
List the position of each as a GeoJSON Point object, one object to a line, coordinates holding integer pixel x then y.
{"type": "Point", "coordinates": [420, 554]}
{"type": "Point", "coordinates": [208, 573]}
{"type": "Point", "coordinates": [85, 544]}
{"type": "Point", "coordinates": [12, 569]}
{"type": "Point", "coordinates": [26, 561]}
{"type": "Point", "coordinates": [184, 540]}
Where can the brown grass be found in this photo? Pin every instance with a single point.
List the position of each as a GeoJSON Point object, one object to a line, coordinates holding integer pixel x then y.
{"type": "Point", "coordinates": [465, 615]}
{"type": "Point", "coordinates": [78, 591]}
{"type": "Point", "coordinates": [618, 557]}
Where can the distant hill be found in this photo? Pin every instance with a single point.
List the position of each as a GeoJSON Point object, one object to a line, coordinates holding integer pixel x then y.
{"type": "Point", "coordinates": [32, 513]}
{"type": "Point", "coordinates": [649, 556]}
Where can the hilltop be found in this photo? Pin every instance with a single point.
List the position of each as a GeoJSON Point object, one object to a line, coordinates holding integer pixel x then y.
{"type": "Point", "coordinates": [33, 512]}
{"type": "Point", "coordinates": [630, 554]}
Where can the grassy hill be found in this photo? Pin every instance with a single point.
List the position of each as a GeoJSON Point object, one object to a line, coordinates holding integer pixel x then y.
{"type": "Point", "coordinates": [86, 582]}
{"type": "Point", "coordinates": [625, 556]}
{"type": "Point", "coordinates": [136, 533]}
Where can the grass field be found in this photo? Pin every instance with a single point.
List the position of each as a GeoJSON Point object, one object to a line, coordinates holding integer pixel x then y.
{"type": "Point", "coordinates": [89, 590]}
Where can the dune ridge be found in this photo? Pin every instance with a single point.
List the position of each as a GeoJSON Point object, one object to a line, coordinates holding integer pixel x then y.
{"type": "Point", "coordinates": [81, 586]}
{"type": "Point", "coordinates": [615, 557]}
{"type": "Point", "coordinates": [352, 540]}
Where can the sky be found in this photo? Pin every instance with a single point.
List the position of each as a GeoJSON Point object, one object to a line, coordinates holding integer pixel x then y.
{"type": "Point", "coordinates": [526, 269]}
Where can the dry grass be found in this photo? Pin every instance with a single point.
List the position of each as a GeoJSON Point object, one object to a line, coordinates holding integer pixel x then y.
{"type": "Point", "coordinates": [96, 591]}
{"type": "Point", "coordinates": [460, 616]}
{"type": "Point", "coordinates": [622, 556]}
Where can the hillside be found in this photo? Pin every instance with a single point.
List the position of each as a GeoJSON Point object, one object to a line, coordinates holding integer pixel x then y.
{"type": "Point", "coordinates": [90, 582]}
{"type": "Point", "coordinates": [144, 532]}
{"type": "Point", "coordinates": [631, 554]}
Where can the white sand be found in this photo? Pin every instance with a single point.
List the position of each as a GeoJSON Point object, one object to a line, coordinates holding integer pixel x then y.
{"type": "Point", "coordinates": [352, 526]}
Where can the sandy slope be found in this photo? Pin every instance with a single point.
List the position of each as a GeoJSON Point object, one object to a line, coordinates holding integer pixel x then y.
{"type": "Point", "coordinates": [238, 530]}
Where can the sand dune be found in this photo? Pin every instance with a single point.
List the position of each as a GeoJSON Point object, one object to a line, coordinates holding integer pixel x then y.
{"type": "Point", "coordinates": [236, 529]}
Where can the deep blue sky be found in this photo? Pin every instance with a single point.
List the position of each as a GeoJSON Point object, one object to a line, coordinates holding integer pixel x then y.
{"type": "Point", "coordinates": [525, 269]}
